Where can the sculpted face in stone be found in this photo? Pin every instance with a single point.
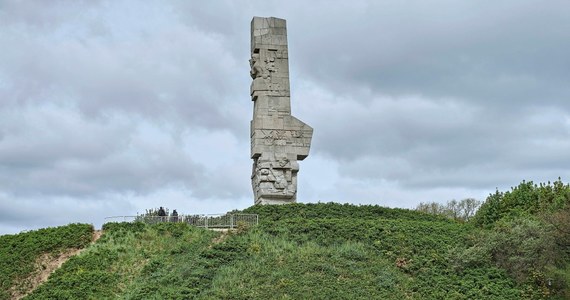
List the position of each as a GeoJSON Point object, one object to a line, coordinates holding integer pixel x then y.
{"type": "Point", "coordinates": [278, 140]}
{"type": "Point", "coordinates": [256, 70]}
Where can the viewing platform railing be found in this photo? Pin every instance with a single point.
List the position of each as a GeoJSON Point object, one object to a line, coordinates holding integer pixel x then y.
{"type": "Point", "coordinates": [213, 221]}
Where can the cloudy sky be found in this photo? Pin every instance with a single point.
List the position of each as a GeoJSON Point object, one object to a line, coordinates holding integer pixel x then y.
{"type": "Point", "coordinates": [111, 107]}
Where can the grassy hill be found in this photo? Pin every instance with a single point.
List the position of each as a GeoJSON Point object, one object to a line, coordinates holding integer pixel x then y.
{"type": "Point", "coordinates": [22, 256]}
{"type": "Point", "coordinates": [299, 251]}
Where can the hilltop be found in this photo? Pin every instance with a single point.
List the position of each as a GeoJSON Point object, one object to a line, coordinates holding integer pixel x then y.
{"type": "Point", "coordinates": [309, 251]}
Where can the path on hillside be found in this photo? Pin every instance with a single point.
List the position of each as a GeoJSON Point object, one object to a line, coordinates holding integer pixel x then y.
{"type": "Point", "coordinates": [47, 264]}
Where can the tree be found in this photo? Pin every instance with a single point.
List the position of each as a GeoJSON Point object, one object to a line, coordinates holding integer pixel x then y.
{"type": "Point", "coordinates": [468, 207]}
{"type": "Point", "coordinates": [526, 199]}
{"type": "Point", "coordinates": [560, 222]}
{"type": "Point", "coordinates": [458, 210]}
{"type": "Point", "coordinates": [525, 247]}
{"type": "Point", "coordinates": [433, 208]}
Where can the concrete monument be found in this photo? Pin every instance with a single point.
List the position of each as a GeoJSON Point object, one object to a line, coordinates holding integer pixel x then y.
{"type": "Point", "coordinates": [278, 140]}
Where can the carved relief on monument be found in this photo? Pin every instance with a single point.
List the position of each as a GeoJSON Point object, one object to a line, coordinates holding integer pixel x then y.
{"type": "Point", "coordinates": [258, 68]}
{"type": "Point", "coordinates": [263, 70]}
{"type": "Point", "coordinates": [283, 137]}
{"type": "Point", "coordinates": [275, 177]}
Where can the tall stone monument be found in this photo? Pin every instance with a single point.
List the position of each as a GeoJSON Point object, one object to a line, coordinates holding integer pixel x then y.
{"type": "Point", "coordinates": [278, 140]}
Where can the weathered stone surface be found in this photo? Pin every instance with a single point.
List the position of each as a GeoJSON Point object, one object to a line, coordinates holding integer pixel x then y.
{"type": "Point", "coordinates": [278, 140]}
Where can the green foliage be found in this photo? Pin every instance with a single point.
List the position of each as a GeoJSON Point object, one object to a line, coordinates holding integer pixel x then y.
{"type": "Point", "coordinates": [278, 268]}
{"type": "Point", "coordinates": [524, 200]}
{"type": "Point", "coordinates": [561, 278]}
{"type": "Point", "coordinates": [462, 210]}
{"type": "Point", "coordinates": [529, 235]}
{"type": "Point", "coordinates": [131, 260]}
{"type": "Point", "coordinates": [417, 245]}
{"type": "Point", "coordinates": [521, 246]}
{"type": "Point", "coordinates": [312, 251]}
{"type": "Point", "coordinates": [560, 223]}
{"type": "Point", "coordinates": [526, 249]}
{"type": "Point", "coordinates": [20, 252]}
{"type": "Point", "coordinates": [272, 213]}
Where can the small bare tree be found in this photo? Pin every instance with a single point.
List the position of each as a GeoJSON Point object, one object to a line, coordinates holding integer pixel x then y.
{"type": "Point", "coordinates": [458, 210]}
{"type": "Point", "coordinates": [468, 208]}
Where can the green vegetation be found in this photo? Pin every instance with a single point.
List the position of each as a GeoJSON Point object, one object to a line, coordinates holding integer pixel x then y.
{"type": "Point", "coordinates": [135, 261]}
{"type": "Point", "coordinates": [516, 247]}
{"type": "Point", "coordinates": [415, 251]}
{"type": "Point", "coordinates": [299, 251]}
{"type": "Point", "coordinates": [462, 210]}
{"type": "Point", "coordinates": [20, 253]}
{"type": "Point", "coordinates": [279, 268]}
{"type": "Point", "coordinates": [525, 200]}
{"type": "Point", "coordinates": [527, 233]}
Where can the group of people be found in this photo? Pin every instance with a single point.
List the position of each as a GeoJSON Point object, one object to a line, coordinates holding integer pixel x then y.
{"type": "Point", "coordinates": [162, 213]}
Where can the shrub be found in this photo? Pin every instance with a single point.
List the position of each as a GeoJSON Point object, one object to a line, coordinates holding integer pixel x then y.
{"type": "Point", "coordinates": [20, 252]}
{"type": "Point", "coordinates": [526, 199]}
{"type": "Point", "coordinates": [524, 247]}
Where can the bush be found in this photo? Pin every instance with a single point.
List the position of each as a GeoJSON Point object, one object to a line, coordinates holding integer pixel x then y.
{"type": "Point", "coordinates": [19, 253]}
{"type": "Point", "coordinates": [526, 199]}
{"type": "Point", "coordinates": [524, 247]}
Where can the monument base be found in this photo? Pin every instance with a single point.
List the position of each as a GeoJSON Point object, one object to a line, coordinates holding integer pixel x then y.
{"type": "Point", "coordinates": [268, 201]}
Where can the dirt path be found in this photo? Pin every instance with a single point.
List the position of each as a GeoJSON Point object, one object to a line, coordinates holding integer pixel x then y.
{"type": "Point", "coordinates": [96, 235]}
{"type": "Point", "coordinates": [45, 265]}
{"type": "Point", "coordinates": [224, 235]}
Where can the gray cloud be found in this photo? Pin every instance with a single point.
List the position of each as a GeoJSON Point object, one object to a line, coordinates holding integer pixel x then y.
{"type": "Point", "coordinates": [55, 152]}
{"type": "Point", "coordinates": [421, 143]}
{"type": "Point", "coordinates": [492, 54]}
{"type": "Point", "coordinates": [158, 68]}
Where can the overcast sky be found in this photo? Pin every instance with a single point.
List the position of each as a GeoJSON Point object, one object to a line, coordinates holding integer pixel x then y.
{"type": "Point", "coordinates": [112, 107]}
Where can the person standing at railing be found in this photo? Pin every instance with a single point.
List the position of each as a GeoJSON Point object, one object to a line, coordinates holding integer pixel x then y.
{"type": "Point", "coordinates": [162, 214]}
{"type": "Point", "coordinates": [174, 216]}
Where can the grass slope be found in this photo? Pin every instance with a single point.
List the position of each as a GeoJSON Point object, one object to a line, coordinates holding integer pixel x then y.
{"type": "Point", "coordinates": [19, 253]}
{"type": "Point", "coordinates": [299, 251]}
{"type": "Point", "coordinates": [133, 261]}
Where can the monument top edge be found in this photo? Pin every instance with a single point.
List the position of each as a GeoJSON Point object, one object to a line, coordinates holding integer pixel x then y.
{"type": "Point", "coordinates": [267, 22]}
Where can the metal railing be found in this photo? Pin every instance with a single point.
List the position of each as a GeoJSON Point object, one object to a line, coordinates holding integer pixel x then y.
{"type": "Point", "coordinates": [206, 221]}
